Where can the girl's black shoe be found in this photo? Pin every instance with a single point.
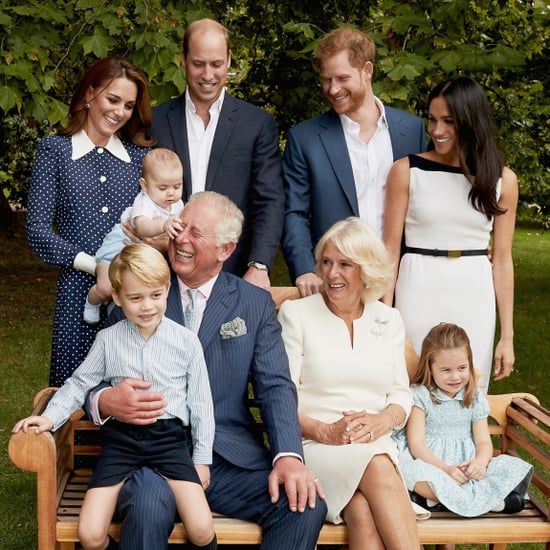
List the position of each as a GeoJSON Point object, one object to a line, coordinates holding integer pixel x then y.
{"type": "Point", "coordinates": [513, 503]}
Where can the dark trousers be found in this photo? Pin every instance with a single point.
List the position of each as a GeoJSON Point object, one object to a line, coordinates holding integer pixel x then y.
{"type": "Point", "coordinates": [148, 508]}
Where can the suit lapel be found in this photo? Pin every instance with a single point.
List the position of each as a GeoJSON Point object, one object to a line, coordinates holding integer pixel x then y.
{"type": "Point", "coordinates": [223, 299]}
{"type": "Point", "coordinates": [222, 136]}
{"type": "Point", "coordinates": [178, 128]}
{"type": "Point", "coordinates": [173, 306]}
{"type": "Point", "coordinates": [334, 142]}
{"type": "Point", "coordinates": [398, 137]}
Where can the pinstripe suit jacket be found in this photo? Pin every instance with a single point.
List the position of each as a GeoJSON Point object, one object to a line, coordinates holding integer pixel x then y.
{"type": "Point", "coordinates": [261, 353]}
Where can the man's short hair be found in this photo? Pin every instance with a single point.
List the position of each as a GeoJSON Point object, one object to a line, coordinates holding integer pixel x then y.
{"type": "Point", "coordinates": [204, 25]}
{"type": "Point", "coordinates": [156, 157]}
{"type": "Point", "coordinates": [144, 262]}
{"type": "Point", "coordinates": [230, 218]}
{"type": "Point", "coordinates": [359, 45]}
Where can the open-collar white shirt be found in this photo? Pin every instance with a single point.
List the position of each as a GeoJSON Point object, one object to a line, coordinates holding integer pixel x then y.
{"type": "Point", "coordinates": [371, 163]}
{"type": "Point", "coordinates": [200, 139]}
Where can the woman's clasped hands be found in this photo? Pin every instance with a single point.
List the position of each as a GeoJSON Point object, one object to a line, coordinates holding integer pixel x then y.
{"type": "Point", "coordinates": [356, 427]}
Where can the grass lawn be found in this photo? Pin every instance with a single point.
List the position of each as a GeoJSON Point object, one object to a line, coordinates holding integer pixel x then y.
{"type": "Point", "coordinates": [27, 288]}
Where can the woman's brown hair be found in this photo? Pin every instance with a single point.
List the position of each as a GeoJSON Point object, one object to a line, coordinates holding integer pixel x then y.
{"type": "Point", "coordinates": [97, 78]}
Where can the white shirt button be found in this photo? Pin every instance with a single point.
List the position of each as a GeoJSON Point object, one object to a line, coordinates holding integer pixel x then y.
{"type": "Point", "coordinates": [99, 150]}
{"type": "Point", "coordinates": [105, 209]}
{"type": "Point", "coordinates": [102, 179]}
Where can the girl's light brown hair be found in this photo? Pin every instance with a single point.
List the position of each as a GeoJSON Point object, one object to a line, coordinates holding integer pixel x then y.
{"type": "Point", "coordinates": [444, 336]}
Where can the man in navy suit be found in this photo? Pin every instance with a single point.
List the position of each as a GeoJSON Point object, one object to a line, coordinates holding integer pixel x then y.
{"type": "Point", "coordinates": [335, 165]}
{"type": "Point", "coordinates": [241, 338]}
{"type": "Point", "coordinates": [226, 145]}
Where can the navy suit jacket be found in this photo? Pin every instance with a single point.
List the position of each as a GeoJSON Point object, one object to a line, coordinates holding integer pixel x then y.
{"type": "Point", "coordinates": [244, 165]}
{"type": "Point", "coordinates": [259, 353]}
{"type": "Point", "coordinates": [319, 184]}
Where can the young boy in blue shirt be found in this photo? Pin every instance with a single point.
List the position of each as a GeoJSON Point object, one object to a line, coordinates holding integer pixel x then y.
{"type": "Point", "coordinates": [149, 346]}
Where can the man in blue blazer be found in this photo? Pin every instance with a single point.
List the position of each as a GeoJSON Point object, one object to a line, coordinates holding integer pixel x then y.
{"type": "Point", "coordinates": [335, 165]}
{"type": "Point", "coordinates": [241, 338]}
{"type": "Point", "coordinates": [226, 145]}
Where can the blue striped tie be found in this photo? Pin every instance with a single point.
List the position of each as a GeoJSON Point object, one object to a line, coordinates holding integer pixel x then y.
{"type": "Point", "coordinates": [191, 313]}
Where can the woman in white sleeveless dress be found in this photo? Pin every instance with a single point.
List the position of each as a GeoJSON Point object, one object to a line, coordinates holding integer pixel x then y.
{"type": "Point", "coordinates": [450, 201]}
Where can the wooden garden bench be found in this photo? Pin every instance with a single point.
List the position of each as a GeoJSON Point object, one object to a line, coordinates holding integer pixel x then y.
{"type": "Point", "coordinates": [521, 425]}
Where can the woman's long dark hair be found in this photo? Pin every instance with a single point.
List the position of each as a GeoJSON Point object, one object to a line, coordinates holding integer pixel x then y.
{"type": "Point", "coordinates": [480, 157]}
{"type": "Point", "coordinates": [98, 77]}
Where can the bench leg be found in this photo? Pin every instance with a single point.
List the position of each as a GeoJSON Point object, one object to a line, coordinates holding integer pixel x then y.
{"type": "Point", "coordinates": [497, 546]}
{"type": "Point", "coordinates": [66, 546]}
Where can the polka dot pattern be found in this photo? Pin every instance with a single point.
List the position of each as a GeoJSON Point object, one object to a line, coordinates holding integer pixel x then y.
{"type": "Point", "coordinates": [72, 206]}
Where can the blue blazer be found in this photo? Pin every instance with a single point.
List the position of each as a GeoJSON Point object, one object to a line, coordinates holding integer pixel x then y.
{"type": "Point", "coordinates": [259, 353]}
{"type": "Point", "coordinates": [244, 165]}
{"type": "Point", "coordinates": [319, 184]}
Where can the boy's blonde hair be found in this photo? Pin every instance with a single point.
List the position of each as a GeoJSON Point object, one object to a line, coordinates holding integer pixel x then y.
{"type": "Point", "coordinates": [155, 157]}
{"type": "Point", "coordinates": [444, 336]}
{"type": "Point", "coordinates": [144, 262]}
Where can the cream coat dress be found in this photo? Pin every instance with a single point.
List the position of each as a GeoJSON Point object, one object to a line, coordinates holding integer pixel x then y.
{"type": "Point", "coordinates": [332, 376]}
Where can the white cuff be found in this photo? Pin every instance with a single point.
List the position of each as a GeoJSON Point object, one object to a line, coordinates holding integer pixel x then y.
{"type": "Point", "coordinates": [85, 262]}
{"type": "Point", "coordinates": [94, 407]}
{"type": "Point", "coordinates": [281, 455]}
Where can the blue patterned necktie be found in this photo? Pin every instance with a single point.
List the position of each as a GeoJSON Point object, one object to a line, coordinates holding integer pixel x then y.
{"type": "Point", "coordinates": [191, 314]}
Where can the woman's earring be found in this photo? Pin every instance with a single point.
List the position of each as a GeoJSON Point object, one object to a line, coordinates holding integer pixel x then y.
{"type": "Point", "coordinates": [87, 105]}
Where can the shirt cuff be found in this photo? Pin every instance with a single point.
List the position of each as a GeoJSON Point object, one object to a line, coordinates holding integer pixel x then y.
{"type": "Point", "coordinates": [85, 262]}
{"type": "Point", "coordinates": [281, 455]}
{"type": "Point", "coordinates": [94, 407]}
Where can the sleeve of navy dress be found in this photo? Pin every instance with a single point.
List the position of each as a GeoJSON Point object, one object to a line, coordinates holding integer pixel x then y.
{"type": "Point", "coordinates": [72, 205]}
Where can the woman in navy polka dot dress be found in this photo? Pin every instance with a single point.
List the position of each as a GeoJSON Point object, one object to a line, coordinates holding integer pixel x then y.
{"type": "Point", "coordinates": [82, 180]}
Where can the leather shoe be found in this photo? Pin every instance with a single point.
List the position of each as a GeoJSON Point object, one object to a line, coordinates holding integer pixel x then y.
{"type": "Point", "coordinates": [513, 503]}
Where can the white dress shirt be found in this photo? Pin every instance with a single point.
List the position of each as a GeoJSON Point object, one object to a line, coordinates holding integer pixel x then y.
{"type": "Point", "coordinates": [203, 294]}
{"type": "Point", "coordinates": [200, 139]}
{"type": "Point", "coordinates": [370, 163]}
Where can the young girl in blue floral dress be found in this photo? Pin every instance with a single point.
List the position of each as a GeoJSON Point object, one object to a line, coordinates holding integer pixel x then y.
{"type": "Point", "coordinates": [446, 455]}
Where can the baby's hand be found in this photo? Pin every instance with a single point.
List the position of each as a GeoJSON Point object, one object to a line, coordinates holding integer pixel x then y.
{"type": "Point", "coordinates": [456, 473]}
{"type": "Point", "coordinates": [204, 474]}
{"type": "Point", "coordinates": [474, 469]}
{"type": "Point", "coordinates": [172, 226]}
{"type": "Point", "coordinates": [42, 423]}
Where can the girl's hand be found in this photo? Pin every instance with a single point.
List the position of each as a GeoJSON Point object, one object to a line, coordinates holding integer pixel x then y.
{"type": "Point", "coordinates": [42, 423]}
{"type": "Point", "coordinates": [172, 226]}
{"type": "Point", "coordinates": [474, 469]}
{"type": "Point", "coordinates": [204, 474]}
{"type": "Point", "coordinates": [456, 473]}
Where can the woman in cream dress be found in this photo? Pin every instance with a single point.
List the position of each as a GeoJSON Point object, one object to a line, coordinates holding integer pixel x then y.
{"type": "Point", "coordinates": [346, 353]}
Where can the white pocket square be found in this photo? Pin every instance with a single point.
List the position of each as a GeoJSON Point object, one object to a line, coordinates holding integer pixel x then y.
{"type": "Point", "coordinates": [232, 329]}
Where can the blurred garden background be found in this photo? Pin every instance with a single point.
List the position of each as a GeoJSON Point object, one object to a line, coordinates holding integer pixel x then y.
{"type": "Point", "coordinates": [44, 48]}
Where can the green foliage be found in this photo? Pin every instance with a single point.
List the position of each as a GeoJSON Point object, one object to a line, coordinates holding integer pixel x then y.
{"type": "Point", "coordinates": [502, 44]}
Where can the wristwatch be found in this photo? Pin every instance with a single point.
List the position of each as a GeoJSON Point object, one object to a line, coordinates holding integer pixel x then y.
{"type": "Point", "coordinates": [258, 266]}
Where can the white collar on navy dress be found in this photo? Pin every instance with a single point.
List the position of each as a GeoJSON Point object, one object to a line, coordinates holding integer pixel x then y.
{"type": "Point", "coordinates": [82, 145]}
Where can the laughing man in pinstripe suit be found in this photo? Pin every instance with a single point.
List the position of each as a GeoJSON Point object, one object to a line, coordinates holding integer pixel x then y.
{"type": "Point", "coordinates": [241, 338]}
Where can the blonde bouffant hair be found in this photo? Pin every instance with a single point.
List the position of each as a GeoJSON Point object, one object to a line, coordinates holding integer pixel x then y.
{"type": "Point", "coordinates": [361, 244]}
{"type": "Point", "coordinates": [144, 262]}
{"type": "Point", "coordinates": [444, 336]}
